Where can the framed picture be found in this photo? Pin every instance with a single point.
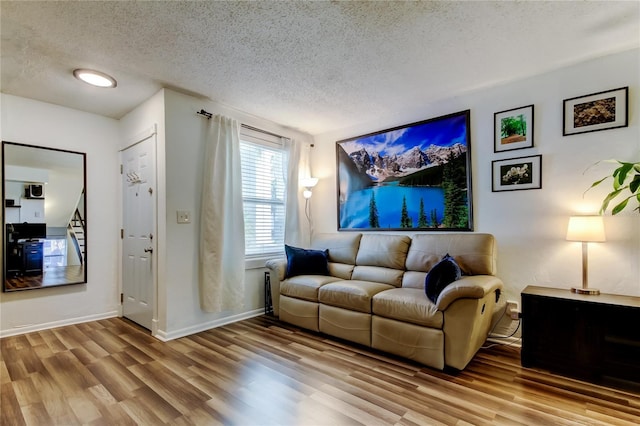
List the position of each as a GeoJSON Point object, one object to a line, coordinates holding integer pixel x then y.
{"type": "Point", "coordinates": [513, 129]}
{"type": "Point", "coordinates": [416, 176]}
{"type": "Point", "coordinates": [598, 111]}
{"type": "Point", "coordinates": [514, 174]}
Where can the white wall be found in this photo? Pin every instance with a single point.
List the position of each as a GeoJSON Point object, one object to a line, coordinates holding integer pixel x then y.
{"type": "Point", "coordinates": [181, 142]}
{"type": "Point", "coordinates": [530, 226]}
{"type": "Point", "coordinates": [136, 125]}
{"type": "Point", "coordinates": [185, 142]}
{"type": "Point", "coordinates": [37, 123]}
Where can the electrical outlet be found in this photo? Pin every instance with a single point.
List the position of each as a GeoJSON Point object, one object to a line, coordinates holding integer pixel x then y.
{"type": "Point", "coordinates": [513, 309]}
{"type": "Point", "coordinates": [184, 216]}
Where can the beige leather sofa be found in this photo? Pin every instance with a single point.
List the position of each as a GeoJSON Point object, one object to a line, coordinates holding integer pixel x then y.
{"type": "Point", "coordinates": [375, 294]}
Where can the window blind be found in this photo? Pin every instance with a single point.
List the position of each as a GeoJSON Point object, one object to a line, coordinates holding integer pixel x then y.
{"type": "Point", "coordinates": [263, 192]}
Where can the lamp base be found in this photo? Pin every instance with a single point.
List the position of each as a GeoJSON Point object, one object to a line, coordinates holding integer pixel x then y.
{"type": "Point", "coordinates": [585, 290]}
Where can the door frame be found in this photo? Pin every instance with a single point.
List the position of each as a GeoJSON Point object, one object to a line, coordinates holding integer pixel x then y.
{"type": "Point", "coordinates": [151, 132]}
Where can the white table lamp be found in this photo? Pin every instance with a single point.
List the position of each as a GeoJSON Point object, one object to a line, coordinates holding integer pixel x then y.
{"type": "Point", "coordinates": [585, 229]}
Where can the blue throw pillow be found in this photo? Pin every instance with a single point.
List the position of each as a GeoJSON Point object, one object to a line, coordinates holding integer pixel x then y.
{"type": "Point", "coordinates": [441, 275]}
{"type": "Point", "coordinates": [306, 262]}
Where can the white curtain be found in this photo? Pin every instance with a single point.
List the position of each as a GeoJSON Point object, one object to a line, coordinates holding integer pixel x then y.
{"type": "Point", "coordinates": [222, 220]}
{"type": "Point", "coordinates": [297, 230]}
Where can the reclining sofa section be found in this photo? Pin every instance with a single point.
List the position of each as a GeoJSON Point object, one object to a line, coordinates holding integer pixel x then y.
{"type": "Point", "coordinates": [375, 294]}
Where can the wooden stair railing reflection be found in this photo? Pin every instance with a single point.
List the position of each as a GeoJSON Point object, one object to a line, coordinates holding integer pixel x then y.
{"type": "Point", "coordinates": [76, 229]}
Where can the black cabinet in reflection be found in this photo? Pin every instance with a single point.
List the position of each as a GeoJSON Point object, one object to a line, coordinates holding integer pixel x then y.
{"type": "Point", "coordinates": [24, 257]}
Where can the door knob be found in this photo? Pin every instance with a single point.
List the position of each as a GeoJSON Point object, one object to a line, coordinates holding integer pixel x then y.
{"type": "Point", "coordinates": [148, 250]}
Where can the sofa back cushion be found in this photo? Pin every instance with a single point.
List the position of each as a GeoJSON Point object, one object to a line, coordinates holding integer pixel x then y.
{"type": "Point", "coordinates": [341, 270]}
{"type": "Point", "coordinates": [414, 279]}
{"type": "Point", "coordinates": [381, 258]}
{"type": "Point", "coordinates": [342, 249]}
{"type": "Point", "coordinates": [474, 253]}
{"type": "Point", "coordinates": [378, 274]}
{"type": "Point", "coordinates": [389, 251]}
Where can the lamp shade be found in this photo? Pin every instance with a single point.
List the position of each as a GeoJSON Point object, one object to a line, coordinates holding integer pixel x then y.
{"type": "Point", "coordinates": [586, 228]}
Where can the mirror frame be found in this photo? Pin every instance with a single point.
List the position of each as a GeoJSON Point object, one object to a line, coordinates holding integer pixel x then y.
{"type": "Point", "coordinates": [4, 218]}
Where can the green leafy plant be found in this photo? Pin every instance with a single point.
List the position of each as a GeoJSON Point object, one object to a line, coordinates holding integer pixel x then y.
{"type": "Point", "coordinates": [626, 183]}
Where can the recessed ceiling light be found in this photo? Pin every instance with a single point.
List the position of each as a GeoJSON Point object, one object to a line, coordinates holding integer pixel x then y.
{"type": "Point", "coordinates": [95, 78]}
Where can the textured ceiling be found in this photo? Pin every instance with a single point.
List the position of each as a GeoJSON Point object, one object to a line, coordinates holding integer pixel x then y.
{"type": "Point", "coordinates": [312, 66]}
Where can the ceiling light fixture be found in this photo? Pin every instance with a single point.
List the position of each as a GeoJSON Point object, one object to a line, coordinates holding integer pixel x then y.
{"type": "Point", "coordinates": [95, 78]}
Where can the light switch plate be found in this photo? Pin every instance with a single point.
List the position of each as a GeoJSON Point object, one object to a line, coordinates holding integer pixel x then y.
{"type": "Point", "coordinates": [184, 216]}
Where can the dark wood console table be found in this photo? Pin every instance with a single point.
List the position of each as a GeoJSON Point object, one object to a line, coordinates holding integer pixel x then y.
{"type": "Point", "coordinates": [24, 258]}
{"type": "Point", "coordinates": [595, 338]}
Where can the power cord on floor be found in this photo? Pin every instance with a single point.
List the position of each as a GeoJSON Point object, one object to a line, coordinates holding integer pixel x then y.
{"type": "Point", "coordinates": [491, 335]}
{"type": "Point", "coordinates": [505, 337]}
{"type": "Point", "coordinates": [504, 345]}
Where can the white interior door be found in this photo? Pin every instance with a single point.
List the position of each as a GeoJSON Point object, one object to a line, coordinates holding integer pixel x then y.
{"type": "Point", "coordinates": [139, 222]}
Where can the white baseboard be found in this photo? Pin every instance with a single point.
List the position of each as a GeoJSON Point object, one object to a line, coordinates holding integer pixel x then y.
{"type": "Point", "coordinates": [176, 334]}
{"type": "Point", "coordinates": [513, 341]}
{"type": "Point", "coordinates": [54, 324]}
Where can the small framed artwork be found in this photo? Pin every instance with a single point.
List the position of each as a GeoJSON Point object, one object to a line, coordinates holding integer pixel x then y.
{"type": "Point", "coordinates": [598, 111]}
{"type": "Point", "coordinates": [514, 174]}
{"type": "Point", "coordinates": [513, 129]}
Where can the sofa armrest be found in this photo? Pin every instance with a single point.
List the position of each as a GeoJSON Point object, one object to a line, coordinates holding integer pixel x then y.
{"type": "Point", "coordinates": [469, 287]}
{"type": "Point", "coordinates": [277, 270]}
{"type": "Point", "coordinates": [278, 267]}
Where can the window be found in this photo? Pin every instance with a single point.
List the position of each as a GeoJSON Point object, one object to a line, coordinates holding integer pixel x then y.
{"type": "Point", "coordinates": [263, 192]}
{"type": "Point", "coordinates": [54, 252]}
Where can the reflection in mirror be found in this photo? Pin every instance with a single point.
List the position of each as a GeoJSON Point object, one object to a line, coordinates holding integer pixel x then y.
{"type": "Point", "coordinates": [44, 217]}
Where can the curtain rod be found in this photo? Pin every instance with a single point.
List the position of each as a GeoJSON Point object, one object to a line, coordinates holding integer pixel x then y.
{"type": "Point", "coordinates": [246, 126]}
{"type": "Point", "coordinates": [207, 114]}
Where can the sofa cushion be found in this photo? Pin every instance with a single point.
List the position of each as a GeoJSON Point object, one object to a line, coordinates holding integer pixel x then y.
{"type": "Point", "coordinates": [475, 253]}
{"type": "Point", "coordinates": [305, 286]}
{"type": "Point", "coordinates": [407, 305]}
{"type": "Point", "coordinates": [413, 279]}
{"type": "Point", "coordinates": [389, 251]}
{"type": "Point", "coordinates": [343, 248]}
{"type": "Point", "coordinates": [351, 294]}
{"type": "Point", "coordinates": [378, 274]}
{"type": "Point", "coordinates": [308, 262]}
{"type": "Point", "coordinates": [440, 276]}
{"type": "Point", "coordinates": [341, 270]}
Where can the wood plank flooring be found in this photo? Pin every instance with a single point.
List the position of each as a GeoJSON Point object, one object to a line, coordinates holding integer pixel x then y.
{"type": "Point", "coordinates": [51, 277]}
{"type": "Point", "coordinates": [263, 372]}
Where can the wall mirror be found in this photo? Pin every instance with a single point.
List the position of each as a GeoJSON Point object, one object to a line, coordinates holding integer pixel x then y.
{"type": "Point", "coordinates": [44, 217]}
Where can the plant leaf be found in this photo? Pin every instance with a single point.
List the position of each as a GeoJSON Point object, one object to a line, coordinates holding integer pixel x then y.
{"type": "Point", "coordinates": [617, 209]}
{"type": "Point", "coordinates": [635, 184]}
{"type": "Point", "coordinates": [623, 171]}
{"type": "Point", "coordinates": [608, 199]}
{"type": "Point", "coordinates": [615, 174]}
{"type": "Point", "coordinates": [596, 184]}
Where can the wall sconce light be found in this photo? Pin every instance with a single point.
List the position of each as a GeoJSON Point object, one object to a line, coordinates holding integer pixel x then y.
{"type": "Point", "coordinates": [308, 184]}
{"type": "Point", "coordinates": [585, 229]}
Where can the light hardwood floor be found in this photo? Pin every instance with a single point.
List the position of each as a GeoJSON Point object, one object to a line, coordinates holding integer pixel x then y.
{"type": "Point", "coordinates": [263, 372]}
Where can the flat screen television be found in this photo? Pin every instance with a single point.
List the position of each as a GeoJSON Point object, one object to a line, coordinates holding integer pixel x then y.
{"type": "Point", "coordinates": [27, 231]}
